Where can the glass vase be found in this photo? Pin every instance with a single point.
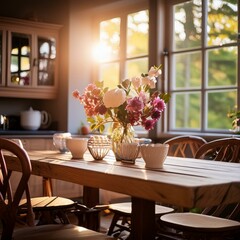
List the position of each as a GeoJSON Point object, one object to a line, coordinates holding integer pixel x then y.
{"type": "Point", "coordinates": [124, 147]}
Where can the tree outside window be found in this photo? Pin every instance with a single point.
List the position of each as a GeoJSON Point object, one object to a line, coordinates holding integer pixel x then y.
{"type": "Point", "coordinates": [123, 47]}
{"type": "Point", "coordinates": [204, 59]}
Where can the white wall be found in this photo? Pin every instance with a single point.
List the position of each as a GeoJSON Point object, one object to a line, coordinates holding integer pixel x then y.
{"type": "Point", "coordinates": [80, 32]}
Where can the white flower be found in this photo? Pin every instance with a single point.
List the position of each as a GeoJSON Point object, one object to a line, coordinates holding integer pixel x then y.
{"type": "Point", "coordinates": [154, 72]}
{"type": "Point", "coordinates": [136, 82]}
{"type": "Point", "coordinates": [152, 83]}
{"type": "Point", "coordinates": [114, 98]}
{"type": "Point", "coordinates": [145, 80]}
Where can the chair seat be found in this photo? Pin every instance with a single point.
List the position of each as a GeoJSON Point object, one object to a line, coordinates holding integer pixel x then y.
{"type": "Point", "coordinates": [126, 208]}
{"type": "Point", "coordinates": [200, 222]}
{"type": "Point", "coordinates": [57, 231]}
{"type": "Point", "coordinates": [48, 203]}
{"type": "Point", "coordinates": [50, 210]}
{"type": "Point", "coordinates": [121, 220]}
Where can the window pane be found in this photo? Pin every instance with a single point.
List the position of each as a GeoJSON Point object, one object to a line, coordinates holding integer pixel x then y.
{"type": "Point", "coordinates": [25, 63]}
{"type": "Point", "coordinates": [14, 64]}
{"type": "Point", "coordinates": [43, 64]}
{"type": "Point", "coordinates": [24, 78]}
{"type": "Point", "coordinates": [187, 24]}
{"type": "Point", "coordinates": [109, 74]}
{"type": "Point", "coordinates": [44, 48]}
{"type": "Point", "coordinates": [136, 67]}
{"type": "Point", "coordinates": [25, 50]}
{"type": "Point", "coordinates": [219, 104]}
{"type": "Point", "coordinates": [187, 110]}
{"type": "Point", "coordinates": [110, 39]}
{"type": "Point", "coordinates": [46, 72]}
{"type": "Point", "coordinates": [137, 34]}
{"type": "Point", "coordinates": [188, 70]}
{"type": "Point", "coordinates": [222, 22]}
{"type": "Point", "coordinates": [46, 61]}
{"type": "Point", "coordinates": [222, 67]}
{"type": "Point", "coordinates": [15, 51]}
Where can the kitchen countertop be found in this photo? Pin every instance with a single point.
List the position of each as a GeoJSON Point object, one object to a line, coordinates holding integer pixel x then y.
{"type": "Point", "coordinates": [28, 133]}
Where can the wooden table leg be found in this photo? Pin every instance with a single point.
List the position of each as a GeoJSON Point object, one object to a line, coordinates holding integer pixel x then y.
{"type": "Point", "coordinates": [91, 199]}
{"type": "Point", "coordinates": [90, 196]}
{"type": "Point", "coordinates": [47, 187]}
{"type": "Point", "coordinates": [143, 219]}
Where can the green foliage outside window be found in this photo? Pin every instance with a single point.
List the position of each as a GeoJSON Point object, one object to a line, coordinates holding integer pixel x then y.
{"type": "Point", "coordinates": [210, 56]}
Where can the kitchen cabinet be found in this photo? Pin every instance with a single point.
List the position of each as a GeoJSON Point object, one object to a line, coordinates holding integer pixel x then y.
{"type": "Point", "coordinates": [28, 59]}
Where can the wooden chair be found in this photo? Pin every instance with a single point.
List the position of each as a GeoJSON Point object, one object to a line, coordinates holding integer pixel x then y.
{"type": "Point", "coordinates": [225, 150]}
{"type": "Point", "coordinates": [122, 217]}
{"type": "Point", "coordinates": [9, 203]}
{"type": "Point", "coordinates": [48, 209]}
{"type": "Point", "coordinates": [184, 146]}
{"type": "Point", "coordinates": [217, 222]}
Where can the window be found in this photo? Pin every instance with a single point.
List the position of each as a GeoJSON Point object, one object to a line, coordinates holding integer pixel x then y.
{"type": "Point", "coordinates": [123, 47]}
{"type": "Point", "coordinates": [203, 73]}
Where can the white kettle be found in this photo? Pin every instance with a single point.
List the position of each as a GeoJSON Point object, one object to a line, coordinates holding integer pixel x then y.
{"type": "Point", "coordinates": [33, 119]}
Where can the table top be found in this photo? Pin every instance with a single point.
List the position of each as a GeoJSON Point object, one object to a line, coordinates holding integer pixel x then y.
{"type": "Point", "coordinates": [184, 182]}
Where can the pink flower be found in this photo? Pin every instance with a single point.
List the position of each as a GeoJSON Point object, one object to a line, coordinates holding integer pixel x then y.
{"type": "Point", "coordinates": [134, 118]}
{"type": "Point", "coordinates": [76, 94]}
{"type": "Point", "coordinates": [134, 105]}
{"type": "Point", "coordinates": [149, 124]}
{"type": "Point", "coordinates": [159, 104]}
{"type": "Point", "coordinates": [101, 109]}
{"type": "Point", "coordinates": [156, 114]}
{"type": "Point", "coordinates": [90, 87]}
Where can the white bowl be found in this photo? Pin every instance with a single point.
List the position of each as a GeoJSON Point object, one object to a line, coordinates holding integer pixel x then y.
{"type": "Point", "coordinates": [154, 155]}
{"type": "Point", "coordinates": [77, 146]}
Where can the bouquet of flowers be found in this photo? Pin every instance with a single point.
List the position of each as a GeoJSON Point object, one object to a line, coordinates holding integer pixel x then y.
{"type": "Point", "coordinates": [133, 102]}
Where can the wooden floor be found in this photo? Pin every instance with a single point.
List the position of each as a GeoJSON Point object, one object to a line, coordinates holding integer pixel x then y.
{"type": "Point", "coordinates": [104, 222]}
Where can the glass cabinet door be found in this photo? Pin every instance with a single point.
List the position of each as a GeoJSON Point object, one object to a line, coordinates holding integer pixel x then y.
{"type": "Point", "coordinates": [46, 61]}
{"type": "Point", "coordinates": [20, 59]}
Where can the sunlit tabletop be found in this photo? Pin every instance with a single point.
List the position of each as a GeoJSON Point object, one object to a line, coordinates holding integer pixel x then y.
{"type": "Point", "coordinates": [184, 182]}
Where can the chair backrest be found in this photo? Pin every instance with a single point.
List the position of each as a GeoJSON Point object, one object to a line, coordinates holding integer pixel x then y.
{"type": "Point", "coordinates": [9, 200]}
{"type": "Point", "coordinates": [184, 146]}
{"type": "Point", "coordinates": [227, 150]}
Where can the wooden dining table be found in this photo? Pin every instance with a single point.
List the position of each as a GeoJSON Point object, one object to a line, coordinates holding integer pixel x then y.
{"type": "Point", "coordinates": [181, 182]}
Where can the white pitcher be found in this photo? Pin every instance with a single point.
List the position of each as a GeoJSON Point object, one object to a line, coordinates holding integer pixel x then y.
{"type": "Point", "coordinates": [33, 119]}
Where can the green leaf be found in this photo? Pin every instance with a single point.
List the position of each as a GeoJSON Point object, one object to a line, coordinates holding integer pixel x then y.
{"type": "Point", "coordinates": [165, 96]}
{"type": "Point", "coordinates": [92, 126]}
{"type": "Point", "coordinates": [90, 120]}
{"type": "Point", "coordinates": [101, 128]}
